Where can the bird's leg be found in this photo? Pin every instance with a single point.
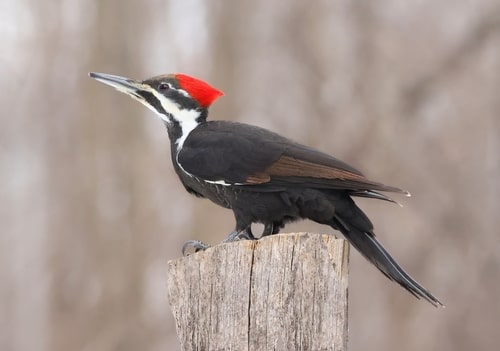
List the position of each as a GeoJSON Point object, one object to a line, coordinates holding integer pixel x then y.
{"type": "Point", "coordinates": [272, 228]}
{"type": "Point", "coordinates": [239, 234]}
{"type": "Point", "coordinates": [235, 235]}
{"type": "Point", "coordinates": [268, 229]}
{"type": "Point", "coordinates": [247, 234]}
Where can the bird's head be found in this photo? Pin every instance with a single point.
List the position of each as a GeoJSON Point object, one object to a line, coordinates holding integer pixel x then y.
{"type": "Point", "coordinates": [176, 98]}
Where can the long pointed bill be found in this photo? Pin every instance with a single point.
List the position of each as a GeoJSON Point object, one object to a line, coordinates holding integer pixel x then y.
{"type": "Point", "coordinates": [125, 85]}
{"type": "Point", "coordinates": [135, 89]}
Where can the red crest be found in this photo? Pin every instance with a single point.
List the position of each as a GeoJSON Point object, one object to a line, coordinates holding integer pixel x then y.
{"type": "Point", "coordinates": [199, 90]}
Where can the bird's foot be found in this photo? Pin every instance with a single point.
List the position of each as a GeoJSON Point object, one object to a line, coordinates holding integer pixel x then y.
{"type": "Point", "coordinates": [195, 244]}
{"type": "Point", "coordinates": [245, 234]}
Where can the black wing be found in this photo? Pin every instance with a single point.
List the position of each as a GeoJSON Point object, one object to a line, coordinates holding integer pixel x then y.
{"type": "Point", "coordinates": [246, 155]}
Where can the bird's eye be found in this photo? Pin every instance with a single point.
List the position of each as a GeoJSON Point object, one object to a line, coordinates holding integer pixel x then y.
{"type": "Point", "coordinates": [164, 86]}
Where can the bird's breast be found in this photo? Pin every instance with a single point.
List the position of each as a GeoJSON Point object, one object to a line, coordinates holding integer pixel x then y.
{"type": "Point", "coordinates": [222, 195]}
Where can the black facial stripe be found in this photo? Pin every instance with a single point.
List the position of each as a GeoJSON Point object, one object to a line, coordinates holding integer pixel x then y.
{"type": "Point", "coordinates": [152, 100]}
{"type": "Point", "coordinates": [182, 100]}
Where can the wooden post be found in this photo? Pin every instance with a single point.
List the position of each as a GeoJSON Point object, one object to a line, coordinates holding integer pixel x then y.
{"type": "Point", "coordinates": [283, 292]}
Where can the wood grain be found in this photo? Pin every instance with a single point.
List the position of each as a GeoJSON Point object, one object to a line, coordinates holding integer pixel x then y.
{"type": "Point", "coordinates": [283, 292]}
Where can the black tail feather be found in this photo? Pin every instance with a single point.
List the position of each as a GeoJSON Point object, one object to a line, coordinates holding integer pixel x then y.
{"type": "Point", "coordinates": [371, 249]}
{"type": "Point", "coordinates": [374, 195]}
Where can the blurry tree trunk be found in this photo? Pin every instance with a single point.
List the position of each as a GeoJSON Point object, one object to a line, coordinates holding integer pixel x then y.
{"type": "Point", "coordinates": [284, 292]}
{"type": "Point", "coordinates": [102, 252]}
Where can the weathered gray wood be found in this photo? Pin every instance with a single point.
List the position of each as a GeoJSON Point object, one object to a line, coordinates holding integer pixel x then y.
{"type": "Point", "coordinates": [283, 292]}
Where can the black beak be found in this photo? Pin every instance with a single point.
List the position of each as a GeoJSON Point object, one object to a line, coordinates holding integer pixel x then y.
{"type": "Point", "coordinates": [135, 89]}
{"type": "Point", "coordinates": [125, 85]}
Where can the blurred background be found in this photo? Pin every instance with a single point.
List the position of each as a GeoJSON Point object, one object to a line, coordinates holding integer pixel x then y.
{"type": "Point", "coordinates": [91, 209]}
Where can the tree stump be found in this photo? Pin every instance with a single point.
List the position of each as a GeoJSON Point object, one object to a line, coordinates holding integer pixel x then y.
{"type": "Point", "coordinates": [282, 292]}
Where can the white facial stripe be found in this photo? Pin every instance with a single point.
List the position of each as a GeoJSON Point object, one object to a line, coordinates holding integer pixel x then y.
{"type": "Point", "coordinates": [130, 93]}
{"type": "Point", "coordinates": [186, 118]}
{"type": "Point", "coordinates": [142, 101]}
{"type": "Point", "coordinates": [183, 92]}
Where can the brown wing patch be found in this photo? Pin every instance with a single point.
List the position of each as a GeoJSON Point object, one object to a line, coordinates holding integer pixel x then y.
{"type": "Point", "coordinates": [258, 178]}
{"type": "Point", "coordinates": [288, 166]}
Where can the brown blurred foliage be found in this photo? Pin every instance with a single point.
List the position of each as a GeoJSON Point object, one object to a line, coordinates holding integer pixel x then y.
{"type": "Point", "coordinates": [91, 209]}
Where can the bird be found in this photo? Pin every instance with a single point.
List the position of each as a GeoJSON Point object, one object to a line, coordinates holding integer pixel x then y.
{"type": "Point", "coordinates": [262, 176]}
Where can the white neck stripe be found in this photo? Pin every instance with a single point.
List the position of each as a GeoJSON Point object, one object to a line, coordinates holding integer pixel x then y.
{"type": "Point", "coordinates": [187, 118]}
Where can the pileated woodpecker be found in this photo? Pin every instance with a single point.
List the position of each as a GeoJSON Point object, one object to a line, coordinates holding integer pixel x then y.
{"type": "Point", "coordinates": [261, 176]}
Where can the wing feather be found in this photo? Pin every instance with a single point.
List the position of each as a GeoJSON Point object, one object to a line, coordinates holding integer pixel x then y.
{"type": "Point", "coordinates": [261, 160]}
{"type": "Point", "coordinates": [295, 170]}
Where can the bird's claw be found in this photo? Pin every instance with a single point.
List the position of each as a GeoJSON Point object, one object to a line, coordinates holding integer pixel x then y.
{"type": "Point", "coordinates": [236, 235]}
{"type": "Point", "coordinates": [195, 244]}
{"type": "Point", "coordinates": [244, 235]}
